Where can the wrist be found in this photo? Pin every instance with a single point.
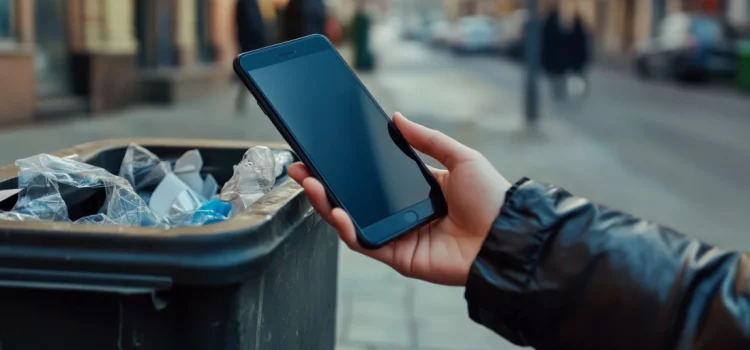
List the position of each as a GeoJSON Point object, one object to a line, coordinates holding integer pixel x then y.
{"type": "Point", "coordinates": [503, 191]}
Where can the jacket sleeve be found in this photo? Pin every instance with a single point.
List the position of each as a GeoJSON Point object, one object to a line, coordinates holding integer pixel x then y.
{"type": "Point", "coordinates": [560, 272]}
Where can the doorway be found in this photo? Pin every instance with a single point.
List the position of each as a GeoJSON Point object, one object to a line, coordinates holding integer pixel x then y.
{"type": "Point", "coordinates": [165, 24]}
{"type": "Point", "coordinates": [52, 56]}
{"type": "Point", "coordinates": [154, 29]}
{"type": "Point", "coordinates": [204, 53]}
{"type": "Point", "coordinates": [629, 15]}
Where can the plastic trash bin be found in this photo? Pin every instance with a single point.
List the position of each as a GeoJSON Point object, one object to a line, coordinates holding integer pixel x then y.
{"type": "Point", "coordinates": [264, 279]}
{"type": "Point", "coordinates": [743, 56]}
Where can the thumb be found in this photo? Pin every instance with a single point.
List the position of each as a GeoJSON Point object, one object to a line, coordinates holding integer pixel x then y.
{"type": "Point", "coordinates": [433, 143]}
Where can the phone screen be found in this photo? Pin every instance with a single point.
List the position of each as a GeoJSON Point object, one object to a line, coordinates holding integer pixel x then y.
{"type": "Point", "coordinates": [345, 134]}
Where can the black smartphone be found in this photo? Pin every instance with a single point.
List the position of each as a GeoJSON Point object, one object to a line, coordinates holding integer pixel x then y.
{"type": "Point", "coordinates": [344, 137]}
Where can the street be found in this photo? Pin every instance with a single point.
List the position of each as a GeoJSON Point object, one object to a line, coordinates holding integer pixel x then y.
{"type": "Point", "coordinates": [628, 140]}
{"type": "Point", "coordinates": [676, 155]}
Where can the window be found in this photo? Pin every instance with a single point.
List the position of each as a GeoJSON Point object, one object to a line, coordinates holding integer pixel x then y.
{"type": "Point", "coordinates": [6, 19]}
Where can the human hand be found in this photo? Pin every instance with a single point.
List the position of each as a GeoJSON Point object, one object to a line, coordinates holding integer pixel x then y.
{"type": "Point", "coordinates": [442, 251]}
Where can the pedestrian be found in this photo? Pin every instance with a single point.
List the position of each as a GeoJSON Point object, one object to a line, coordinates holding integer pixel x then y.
{"type": "Point", "coordinates": [303, 18]}
{"type": "Point", "coordinates": [554, 59]}
{"type": "Point", "coordinates": [251, 35]}
{"type": "Point", "coordinates": [546, 269]}
{"type": "Point", "coordinates": [578, 53]}
{"type": "Point", "coordinates": [363, 57]}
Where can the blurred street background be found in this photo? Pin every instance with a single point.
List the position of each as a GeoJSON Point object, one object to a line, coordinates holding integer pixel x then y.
{"type": "Point", "coordinates": [655, 121]}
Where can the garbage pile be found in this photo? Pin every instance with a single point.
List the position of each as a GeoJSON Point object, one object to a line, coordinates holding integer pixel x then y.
{"type": "Point", "coordinates": [147, 191]}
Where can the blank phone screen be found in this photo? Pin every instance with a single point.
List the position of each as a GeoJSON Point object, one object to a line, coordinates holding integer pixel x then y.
{"type": "Point", "coordinates": [345, 135]}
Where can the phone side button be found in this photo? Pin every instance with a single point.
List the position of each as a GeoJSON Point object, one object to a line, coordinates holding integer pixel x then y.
{"type": "Point", "coordinates": [410, 217]}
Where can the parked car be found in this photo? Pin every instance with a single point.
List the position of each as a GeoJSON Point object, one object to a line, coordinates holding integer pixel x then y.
{"type": "Point", "coordinates": [416, 30]}
{"type": "Point", "coordinates": [441, 33]}
{"type": "Point", "coordinates": [687, 47]}
{"type": "Point", "coordinates": [475, 34]}
{"type": "Point", "coordinates": [512, 33]}
{"type": "Point", "coordinates": [415, 33]}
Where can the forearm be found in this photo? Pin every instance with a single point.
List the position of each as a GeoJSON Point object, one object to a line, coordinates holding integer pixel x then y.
{"type": "Point", "coordinates": [560, 272]}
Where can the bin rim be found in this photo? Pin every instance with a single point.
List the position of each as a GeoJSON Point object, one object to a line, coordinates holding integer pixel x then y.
{"type": "Point", "coordinates": [220, 253]}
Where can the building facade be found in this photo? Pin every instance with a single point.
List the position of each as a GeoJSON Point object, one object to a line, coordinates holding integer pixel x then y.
{"type": "Point", "coordinates": [460, 8]}
{"type": "Point", "coordinates": [617, 25]}
{"type": "Point", "coordinates": [625, 22]}
{"type": "Point", "coordinates": [738, 13]}
{"type": "Point", "coordinates": [99, 55]}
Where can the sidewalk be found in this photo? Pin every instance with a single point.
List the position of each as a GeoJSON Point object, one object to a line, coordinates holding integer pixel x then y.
{"type": "Point", "coordinates": [210, 117]}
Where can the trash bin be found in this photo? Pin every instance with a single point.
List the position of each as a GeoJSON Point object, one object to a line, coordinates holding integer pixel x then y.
{"type": "Point", "coordinates": [264, 279]}
{"type": "Point", "coordinates": [743, 55]}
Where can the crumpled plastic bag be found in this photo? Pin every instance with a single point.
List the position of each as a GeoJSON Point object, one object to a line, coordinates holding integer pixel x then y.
{"type": "Point", "coordinates": [282, 159]}
{"type": "Point", "coordinates": [253, 177]}
{"type": "Point", "coordinates": [40, 198]}
{"type": "Point", "coordinates": [15, 216]}
{"type": "Point", "coordinates": [39, 178]}
{"type": "Point", "coordinates": [98, 219]}
{"type": "Point", "coordinates": [143, 169]}
{"type": "Point", "coordinates": [129, 194]}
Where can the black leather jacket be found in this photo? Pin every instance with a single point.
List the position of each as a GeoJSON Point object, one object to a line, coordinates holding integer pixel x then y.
{"type": "Point", "coordinates": [560, 272]}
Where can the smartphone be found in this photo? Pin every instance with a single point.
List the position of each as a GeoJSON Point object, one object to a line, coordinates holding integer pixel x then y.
{"type": "Point", "coordinates": [344, 137]}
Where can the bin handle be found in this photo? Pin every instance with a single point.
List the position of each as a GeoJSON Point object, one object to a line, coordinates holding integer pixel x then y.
{"type": "Point", "coordinates": [83, 281]}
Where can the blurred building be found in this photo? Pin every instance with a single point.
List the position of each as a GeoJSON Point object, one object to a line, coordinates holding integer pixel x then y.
{"type": "Point", "coordinates": [619, 24]}
{"type": "Point", "coordinates": [628, 21]}
{"type": "Point", "coordinates": [738, 13]}
{"type": "Point", "coordinates": [455, 9]}
{"type": "Point", "coordinates": [69, 56]}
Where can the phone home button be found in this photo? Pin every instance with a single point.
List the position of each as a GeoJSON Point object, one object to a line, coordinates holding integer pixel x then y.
{"type": "Point", "coordinates": [410, 217]}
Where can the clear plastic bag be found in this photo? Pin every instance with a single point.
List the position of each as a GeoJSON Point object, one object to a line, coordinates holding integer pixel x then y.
{"type": "Point", "coordinates": [253, 177]}
{"type": "Point", "coordinates": [98, 219]}
{"type": "Point", "coordinates": [40, 198]}
{"type": "Point", "coordinates": [129, 194]}
{"type": "Point", "coordinates": [40, 176]}
{"type": "Point", "coordinates": [15, 216]}
{"type": "Point", "coordinates": [282, 159]}
{"type": "Point", "coordinates": [141, 168]}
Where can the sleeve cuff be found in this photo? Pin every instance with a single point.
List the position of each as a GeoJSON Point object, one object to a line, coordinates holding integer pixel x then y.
{"type": "Point", "coordinates": [502, 270]}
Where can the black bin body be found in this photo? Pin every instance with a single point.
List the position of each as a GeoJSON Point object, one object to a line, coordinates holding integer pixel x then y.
{"type": "Point", "coordinates": [265, 279]}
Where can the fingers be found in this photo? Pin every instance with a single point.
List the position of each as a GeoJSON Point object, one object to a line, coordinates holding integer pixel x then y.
{"type": "Point", "coordinates": [317, 196]}
{"type": "Point", "coordinates": [336, 217]}
{"type": "Point", "coordinates": [313, 189]}
{"type": "Point", "coordinates": [341, 221]}
{"type": "Point", "coordinates": [298, 172]}
{"type": "Point", "coordinates": [436, 172]}
{"type": "Point", "coordinates": [343, 224]}
{"type": "Point", "coordinates": [433, 143]}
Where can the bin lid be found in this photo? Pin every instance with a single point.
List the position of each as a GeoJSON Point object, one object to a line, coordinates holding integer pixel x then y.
{"type": "Point", "coordinates": [135, 259]}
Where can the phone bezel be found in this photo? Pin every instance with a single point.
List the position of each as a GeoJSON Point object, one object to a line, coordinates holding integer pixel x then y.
{"type": "Point", "coordinates": [381, 232]}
